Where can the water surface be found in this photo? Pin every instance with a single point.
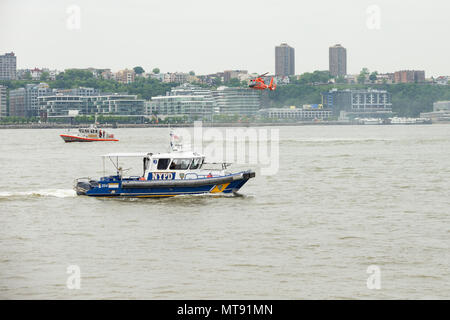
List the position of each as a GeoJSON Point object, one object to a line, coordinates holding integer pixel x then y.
{"type": "Point", "coordinates": [345, 198]}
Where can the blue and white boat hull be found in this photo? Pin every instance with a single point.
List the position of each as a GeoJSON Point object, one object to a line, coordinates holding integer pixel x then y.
{"type": "Point", "coordinates": [113, 186]}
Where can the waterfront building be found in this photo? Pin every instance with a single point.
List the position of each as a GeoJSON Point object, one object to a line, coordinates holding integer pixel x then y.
{"type": "Point", "coordinates": [8, 66]}
{"type": "Point", "coordinates": [284, 60]}
{"type": "Point", "coordinates": [115, 104]}
{"type": "Point", "coordinates": [17, 103]}
{"type": "Point", "coordinates": [125, 76]}
{"type": "Point", "coordinates": [23, 102]}
{"type": "Point", "coordinates": [80, 91]}
{"type": "Point", "coordinates": [337, 61]}
{"type": "Point", "coordinates": [186, 99]}
{"type": "Point", "coordinates": [195, 101]}
{"type": "Point", "coordinates": [3, 103]}
{"type": "Point", "coordinates": [191, 106]}
{"type": "Point", "coordinates": [236, 101]}
{"type": "Point", "coordinates": [437, 116]}
{"type": "Point", "coordinates": [441, 106]}
{"type": "Point", "coordinates": [305, 114]}
{"type": "Point", "coordinates": [409, 76]}
{"type": "Point", "coordinates": [358, 103]}
{"type": "Point", "coordinates": [189, 89]}
{"type": "Point", "coordinates": [441, 112]}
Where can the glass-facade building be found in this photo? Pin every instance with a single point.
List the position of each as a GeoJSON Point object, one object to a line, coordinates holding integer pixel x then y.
{"type": "Point", "coordinates": [63, 105]}
{"type": "Point", "coordinates": [236, 101]}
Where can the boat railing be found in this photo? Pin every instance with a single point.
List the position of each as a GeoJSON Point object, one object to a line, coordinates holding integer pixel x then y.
{"type": "Point", "coordinates": [193, 175]}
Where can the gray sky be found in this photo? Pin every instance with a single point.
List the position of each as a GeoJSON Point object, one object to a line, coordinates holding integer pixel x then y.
{"type": "Point", "coordinates": [209, 36]}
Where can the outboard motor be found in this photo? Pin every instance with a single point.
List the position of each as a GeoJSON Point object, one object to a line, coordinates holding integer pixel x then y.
{"type": "Point", "coordinates": [83, 185]}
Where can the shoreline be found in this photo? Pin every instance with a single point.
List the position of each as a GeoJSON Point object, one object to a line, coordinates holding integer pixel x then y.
{"type": "Point", "coordinates": [147, 125]}
{"type": "Point", "coordinates": [189, 125]}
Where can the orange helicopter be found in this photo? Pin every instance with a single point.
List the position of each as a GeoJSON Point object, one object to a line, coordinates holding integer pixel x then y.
{"type": "Point", "coordinates": [258, 83]}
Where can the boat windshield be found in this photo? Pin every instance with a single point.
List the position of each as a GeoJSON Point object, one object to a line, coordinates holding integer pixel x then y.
{"type": "Point", "coordinates": [163, 164]}
{"type": "Point", "coordinates": [180, 164]}
{"type": "Point", "coordinates": [196, 163]}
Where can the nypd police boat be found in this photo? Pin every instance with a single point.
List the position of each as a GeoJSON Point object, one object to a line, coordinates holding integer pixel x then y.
{"type": "Point", "coordinates": [177, 172]}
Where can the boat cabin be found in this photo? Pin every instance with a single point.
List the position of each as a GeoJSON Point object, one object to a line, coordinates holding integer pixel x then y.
{"type": "Point", "coordinates": [168, 166]}
{"type": "Point", "coordinates": [88, 131]}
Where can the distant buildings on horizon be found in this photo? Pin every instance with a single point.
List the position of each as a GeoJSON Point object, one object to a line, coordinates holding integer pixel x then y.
{"type": "Point", "coordinates": [441, 112]}
{"type": "Point", "coordinates": [3, 102]}
{"type": "Point", "coordinates": [337, 61]}
{"type": "Point", "coordinates": [8, 66]}
{"type": "Point", "coordinates": [353, 103]}
{"type": "Point", "coordinates": [34, 99]}
{"type": "Point", "coordinates": [284, 60]}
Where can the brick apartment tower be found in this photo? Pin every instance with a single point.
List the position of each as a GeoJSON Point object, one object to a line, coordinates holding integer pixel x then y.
{"type": "Point", "coordinates": [284, 60]}
{"type": "Point", "coordinates": [338, 61]}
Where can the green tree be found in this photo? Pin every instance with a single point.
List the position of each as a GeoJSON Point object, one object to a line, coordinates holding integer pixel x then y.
{"type": "Point", "coordinates": [27, 75]}
{"type": "Point", "coordinates": [317, 76]}
{"type": "Point", "coordinates": [373, 76]}
{"type": "Point", "coordinates": [363, 75]}
{"type": "Point", "coordinates": [234, 82]}
{"type": "Point", "coordinates": [340, 79]}
{"type": "Point", "coordinates": [138, 70]}
{"type": "Point", "coordinates": [156, 71]}
{"type": "Point", "coordinates": [192, 73]}
{"type": "Point", "coordinates": [45, 76]}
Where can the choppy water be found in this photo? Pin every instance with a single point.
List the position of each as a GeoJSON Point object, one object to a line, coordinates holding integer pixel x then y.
{"type": "Point", "coordinates": [345, 198]}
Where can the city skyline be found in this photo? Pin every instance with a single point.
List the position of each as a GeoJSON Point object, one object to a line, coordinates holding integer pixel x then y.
{"type": "Point", "coordinates": [155, 35]}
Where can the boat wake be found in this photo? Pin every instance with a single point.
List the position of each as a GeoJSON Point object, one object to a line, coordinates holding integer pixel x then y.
{"type": "Point", "coordinates": [58, 193]}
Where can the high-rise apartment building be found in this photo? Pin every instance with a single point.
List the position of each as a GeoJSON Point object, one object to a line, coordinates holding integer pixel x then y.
{"type": "Point", "coordinates": [338, 61]}
{"type": "Point", "coordinates": [284, 60]}
{"type": "Point", "coordinates": [8, 66]}
{"type": "Point", "coordinates": [3, 105]}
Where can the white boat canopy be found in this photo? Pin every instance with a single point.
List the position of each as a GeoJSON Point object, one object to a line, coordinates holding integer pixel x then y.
{"type": "Point", "coordinates": [123, 155]}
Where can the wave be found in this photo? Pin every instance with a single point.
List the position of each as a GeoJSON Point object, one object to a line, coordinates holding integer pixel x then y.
{"type": "Point", "coordinates": [58, 193]}
{"type": "Point", "coordinates": [335, 140]}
